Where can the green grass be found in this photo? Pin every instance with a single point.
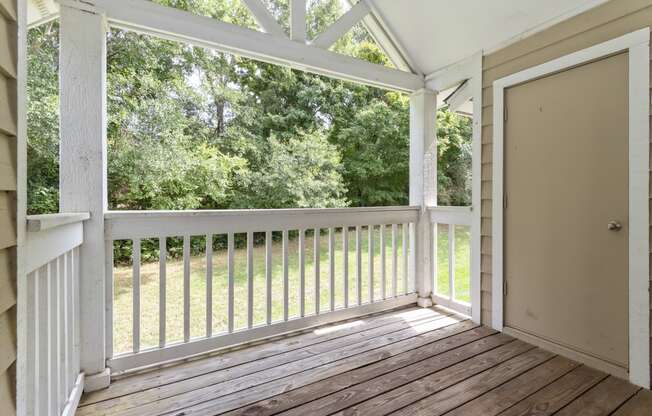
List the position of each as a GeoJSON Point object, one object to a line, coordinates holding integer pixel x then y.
{"type": "Point", "coordinates": [462, 266]}
{"type": "Point", "coordinates": [149, 330]}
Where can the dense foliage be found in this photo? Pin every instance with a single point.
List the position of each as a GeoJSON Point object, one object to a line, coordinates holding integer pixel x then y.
{"type": "Point", "coordinates": [191, 128]}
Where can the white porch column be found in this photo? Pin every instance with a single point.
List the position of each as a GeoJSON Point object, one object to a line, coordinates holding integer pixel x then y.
{"type": "Point", "coordinates": [83, 168]}
{"type": "Point", "coordinates": [423, 185]}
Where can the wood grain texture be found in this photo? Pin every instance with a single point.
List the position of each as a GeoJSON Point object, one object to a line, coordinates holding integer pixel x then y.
{"type": "Point", "coordinates": [639, 405]}
{"type": "Point", "coordinates": [602, 399]}
{"type": "Point", "coordinates": [456, 369]}
{"type": "Point", "coordinates": [334, 384]}
{"type": "Point", "coordinates": [219, 384]}
{"type": "Point", "coordinates": [517, 389]}
{"type": "Point", "coordinates": [364, 391]}
{"type": "Point", "coordinates": [225, 360]}
{"type": "Point", "coordinates": [432, 399]}
{"type": "Point", "coordinates": [558, 394]}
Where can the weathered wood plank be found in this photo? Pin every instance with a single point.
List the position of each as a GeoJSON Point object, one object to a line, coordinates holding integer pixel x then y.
{"type": "Point", "coordinates": [223, 382]}
{"type": "Point", "coordinates": [314, 391]}
{"type": "Point", "coordinates": [485, 371]}
{"type": "Point", "coordinates": [558, 394]}
{"type": "Point", "coordinates": [601, 400]}
{"type": "Point", "coordinates": [433, 368]}
{"type": "Point", "coordinates": [519, 388]}
{"type": "Point", "coordinates": [218, 384]}
{"type": "Point", "coordinates": [342, 368]}
{"type": "Point", "coordinates": [223, 361]}
{"type": "Point", "coordinates": [639, 405]}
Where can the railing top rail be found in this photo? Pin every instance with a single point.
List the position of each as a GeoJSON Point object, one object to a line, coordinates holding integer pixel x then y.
{"type": "Point", "coordinates": [461, 210]}
{"type": "Point", "coordinates": [451, 215]}
{"type": "Point", "coordinates": [153, 224]}
{"type": "Point", "coordinates": [249, 212]}
{"type": "Point", "coordinates": [50, 236]}
{"type": "Point", "coordinates": [36, 223]}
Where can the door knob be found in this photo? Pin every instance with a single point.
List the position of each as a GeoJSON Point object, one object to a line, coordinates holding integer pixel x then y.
{"type": "Point", "coordinates": [614, 226]}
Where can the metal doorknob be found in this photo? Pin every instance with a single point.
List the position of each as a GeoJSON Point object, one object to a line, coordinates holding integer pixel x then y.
{"type": "Point", "coordinates": [614, 226]}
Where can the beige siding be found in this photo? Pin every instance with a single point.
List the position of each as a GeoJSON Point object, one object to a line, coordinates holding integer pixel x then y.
{"type": "Point", "coordinates": [7, 206]}
{"type": "Point", "coordinates": [613, 19]}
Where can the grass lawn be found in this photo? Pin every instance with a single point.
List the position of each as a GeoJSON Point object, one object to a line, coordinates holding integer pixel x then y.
{"type": "Point", "coordinates": [149, 332]}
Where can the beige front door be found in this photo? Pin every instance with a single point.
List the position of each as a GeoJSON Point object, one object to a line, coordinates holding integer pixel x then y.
{"type": "Point", "coordinates": [566, 180]}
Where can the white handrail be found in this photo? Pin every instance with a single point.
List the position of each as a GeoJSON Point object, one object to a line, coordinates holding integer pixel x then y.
{"type": "Point", "coordinates": [53, 378]}
{"type": "Point", "coordinates": [122, 225]}
{"type": "Point", "coordinates": [451, 215]}
{"type": "Point", "coordinates": [381, 224]}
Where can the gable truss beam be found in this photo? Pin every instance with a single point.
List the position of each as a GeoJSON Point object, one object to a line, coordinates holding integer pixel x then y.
{"type": "Point", "coordinates": [338, 29]}
{"type": "Point", "coordinates": [382, 33]}
{"type": "Point", "coordinates": [264, 18]}
{"type": "Point", "coordinates": [298, 20]}
{"type": "Point", "coordinates": [165, 22]}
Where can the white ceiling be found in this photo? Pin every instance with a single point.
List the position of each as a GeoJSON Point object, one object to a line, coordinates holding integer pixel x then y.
{"type": "Point", "coordinates": [438, 33]}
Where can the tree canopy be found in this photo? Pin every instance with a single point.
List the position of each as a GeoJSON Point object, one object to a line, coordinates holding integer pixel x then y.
{"type": "Point", "coordinates": [192, 128]}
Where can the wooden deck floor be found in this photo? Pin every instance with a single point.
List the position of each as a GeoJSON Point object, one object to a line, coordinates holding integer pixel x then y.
{"type": "Point", "coordinates": [407, 362]}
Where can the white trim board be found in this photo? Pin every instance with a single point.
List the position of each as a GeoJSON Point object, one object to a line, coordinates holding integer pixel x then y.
{"type": "Point", "coordinates": [470, 70]}
{"type": "Point", "coordinates": [637, 44]}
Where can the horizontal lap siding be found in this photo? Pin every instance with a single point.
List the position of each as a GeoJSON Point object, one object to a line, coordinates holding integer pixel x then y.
{"type": "Point", "coordinates": [8, 119]}
{"type": "Point", "coordinates": [614, 18]}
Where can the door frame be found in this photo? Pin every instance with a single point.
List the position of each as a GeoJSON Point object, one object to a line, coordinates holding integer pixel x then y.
{"type": "Point", "coordinates": [638, 45]}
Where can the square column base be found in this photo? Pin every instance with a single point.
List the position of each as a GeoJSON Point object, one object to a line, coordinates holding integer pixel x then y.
{"type": "Point", "coordinates": [425, 302]}
{"type": "Point", "coordinates": [97, 381]}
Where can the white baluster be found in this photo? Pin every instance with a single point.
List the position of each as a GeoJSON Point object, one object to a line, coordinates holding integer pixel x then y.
{"type": "Point", "coordinates": [135, 257]}
{"type": "Point", "coordinates": [162, 268]}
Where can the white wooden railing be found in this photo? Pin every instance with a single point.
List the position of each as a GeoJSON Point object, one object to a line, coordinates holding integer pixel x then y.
{"type": "Point", "coordinates": [379, 237]}
{"type": "Point", "coordinates": [451, 271]}
{"type": "Point", "coordinates": [52, 374]}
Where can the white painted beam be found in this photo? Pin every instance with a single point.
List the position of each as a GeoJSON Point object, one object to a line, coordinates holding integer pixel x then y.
{"type": "Point", "coordinates": [298, 22]}
{"type": "Point", "coordinates": [264, 18]}
{"type": "Point", "coordinates": [338, 29]}
{"type": "Point", "coordinates": [165, 22]}
{"type": "Point", "coordinates": [423, 186]}
{"type": "Point", "coordinates": [460, 97]}
{"type": "Point", "coordinates": [83, 167]}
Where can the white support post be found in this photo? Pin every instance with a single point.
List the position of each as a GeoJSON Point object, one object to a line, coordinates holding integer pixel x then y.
{"type": "Point", "coordinates": [423, 186]}
{"type": "Point", "coordinates": [298, 22]}
{"type": "Point", "coordinates": [83, 168]}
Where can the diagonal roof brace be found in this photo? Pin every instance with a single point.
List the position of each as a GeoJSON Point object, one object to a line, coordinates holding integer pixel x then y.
{"type": "Point", "coordinates": [264, 18]}
{"type": "Point", "coordinates": [338, 29]}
